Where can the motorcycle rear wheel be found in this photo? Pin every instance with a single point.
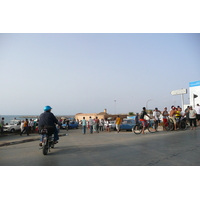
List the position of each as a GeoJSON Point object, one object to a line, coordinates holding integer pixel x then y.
{"type": "Point", "coordinates": [45, 150]}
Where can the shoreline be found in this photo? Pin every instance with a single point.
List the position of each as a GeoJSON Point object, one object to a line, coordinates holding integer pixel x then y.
{"type": "Point", "coordinates": [57, 116]}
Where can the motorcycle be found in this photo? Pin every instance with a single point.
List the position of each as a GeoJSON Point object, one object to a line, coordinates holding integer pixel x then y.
{"type": "Point", "coordinates": [47, 142]}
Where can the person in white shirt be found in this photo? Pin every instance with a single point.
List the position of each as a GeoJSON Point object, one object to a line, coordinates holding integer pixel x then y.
{"type": "Point", "coordinates": [108, 128]}
{"type": "Point", "coordinates": [22, 125]}
{"type": "Point", "coordinates": [91, 123]}
{"type": "Point", "coordinates": [31, 125]}
{"type": "Point", "coordinates": [156, 115]}
{"type": "Point", "coordinates": [197, 108]}
{"type": "Point", "coordinates": [192, 117]}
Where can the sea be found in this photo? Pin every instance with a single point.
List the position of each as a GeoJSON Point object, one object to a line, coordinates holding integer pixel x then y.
{"type": "Point", "coordinates": [7, 118]}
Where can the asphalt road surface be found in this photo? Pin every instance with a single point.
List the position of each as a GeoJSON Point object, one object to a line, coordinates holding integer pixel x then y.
{"type": "Point", "coordinates": [175, 148]}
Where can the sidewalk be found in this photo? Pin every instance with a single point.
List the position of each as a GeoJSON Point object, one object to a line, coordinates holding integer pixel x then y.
{"type": "Point", "coordinates": [15, 138]}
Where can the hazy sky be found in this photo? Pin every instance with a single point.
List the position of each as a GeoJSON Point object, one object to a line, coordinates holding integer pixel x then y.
{"type": "Point", "coordinates": [86, 72]}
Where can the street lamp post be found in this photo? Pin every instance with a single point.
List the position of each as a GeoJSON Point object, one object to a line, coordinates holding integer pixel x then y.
{"type": "Point", "coordinates": [147, 103]}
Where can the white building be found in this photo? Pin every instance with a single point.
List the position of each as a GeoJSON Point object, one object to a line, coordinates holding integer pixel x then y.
{"type": "Point", "coordinates": [194, 90]}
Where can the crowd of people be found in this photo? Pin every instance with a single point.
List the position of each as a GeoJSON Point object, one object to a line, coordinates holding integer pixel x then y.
{"type": "Point", "coordinates": [28, 126]}
{"type": "Point", "coordinates": [97, 125]}
{"type": "Point", "coordinates": [192, 116]}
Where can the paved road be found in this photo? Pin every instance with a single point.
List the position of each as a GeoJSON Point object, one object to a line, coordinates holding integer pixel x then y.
{"type": "Point", "coordinates": [180, 148]}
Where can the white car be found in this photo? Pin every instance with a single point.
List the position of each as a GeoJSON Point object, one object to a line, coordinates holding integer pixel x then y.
{"type": "Point", "coordinates": [112, 125]}
{"type": "Point", "coordinates": [13, 125]}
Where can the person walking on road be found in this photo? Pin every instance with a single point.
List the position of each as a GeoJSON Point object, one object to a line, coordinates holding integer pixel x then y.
{"type": "Point", "coordinates": [25, 128]}
{"type": "Point", "coordinates": [84, 125]}
{"type": "Point", "coordinates": [118, 121]}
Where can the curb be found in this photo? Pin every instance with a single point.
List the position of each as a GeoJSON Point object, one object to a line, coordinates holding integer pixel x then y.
{"type": "Point", "coordinates": [24, 141]}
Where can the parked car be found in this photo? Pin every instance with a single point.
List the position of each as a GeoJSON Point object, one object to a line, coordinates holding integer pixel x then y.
{"type": "Point", "coordinates": [13, 126]}
{"type": "Point", "coordinates": [72, 124]}
{"type": "Point", "coordinates": [127, 124]}
{"type": "Point", "coordinates": [112, 125]}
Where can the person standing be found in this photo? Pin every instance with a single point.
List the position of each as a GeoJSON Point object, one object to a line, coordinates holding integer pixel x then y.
{"type": "Point", "coordinates": [107, 124]}
{"type": "Point", "coordinates": [22, 126]}
{"type": "Point", "coordinates": [172, 116]}
{"type": "Point", "coordinates": [187, 114]}
{"type": "Point", "coordinates": [101, 125]}
{"type": "Point", "coordinates": [31, 124]}
{"type": "Point", "coordinates": [118, 121]}
{"type": "Point", "coordinates": [84, 125]}
{"type": "Point", "coordinates": [197, 108]}
{"type": "Point", "coordinates": [2, 125]}
{"type": "Point", "coordinates": [91, 123]}
{"type": "Point", "coordinates": [192, 117]}
{"type": "Point", "coordinates": [137, 118]}
{"type": "Point", "coordinates": [165, 114]}
{"type": "Point", "coordinates": [156, 115]}
{"type": "Point", "coordinates": [97, 125]}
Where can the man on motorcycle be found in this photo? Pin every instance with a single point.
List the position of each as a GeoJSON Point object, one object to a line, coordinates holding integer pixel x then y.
{"type": "Point", "coordinates": [47, 120]}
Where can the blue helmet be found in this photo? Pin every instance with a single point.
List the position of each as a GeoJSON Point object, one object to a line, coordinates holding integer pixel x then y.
{"type": "Point", "coordinates": [47, 108]}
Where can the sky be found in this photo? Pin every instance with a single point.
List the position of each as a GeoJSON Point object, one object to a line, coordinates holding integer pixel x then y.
{"type": "Point", "coordinates": [90, 72]}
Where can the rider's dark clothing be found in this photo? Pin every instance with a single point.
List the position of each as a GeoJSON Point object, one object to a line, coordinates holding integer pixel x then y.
{"type": "Point", "coordinates": [49, 120]}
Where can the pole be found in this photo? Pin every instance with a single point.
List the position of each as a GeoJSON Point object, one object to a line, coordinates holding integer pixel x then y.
{"type": "Point", "coordinates": [193, 100]}
{"type": "Point", "coordinates": [182, 100]}
{"type": "Point", "coordinates": [147, 103]}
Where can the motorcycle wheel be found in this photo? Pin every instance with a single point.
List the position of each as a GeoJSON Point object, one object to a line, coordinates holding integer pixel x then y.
{"type": "Point", "coordinates": [45, 148]}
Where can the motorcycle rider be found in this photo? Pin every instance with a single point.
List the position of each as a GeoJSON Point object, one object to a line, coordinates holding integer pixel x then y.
{"type": "Point", "coordinates": [47, 120]}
